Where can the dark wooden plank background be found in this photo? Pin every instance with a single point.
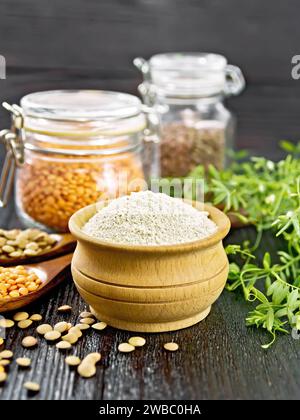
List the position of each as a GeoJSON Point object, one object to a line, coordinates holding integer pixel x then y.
{"type": "Point", "coordinates": [91, 44]}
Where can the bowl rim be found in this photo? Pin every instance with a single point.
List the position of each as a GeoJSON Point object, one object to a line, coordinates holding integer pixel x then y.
{"type": "Point", "coordinates": [220, 218]}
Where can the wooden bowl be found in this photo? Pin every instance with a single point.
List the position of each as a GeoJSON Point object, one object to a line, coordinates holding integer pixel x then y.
{"type": "Point", "coordinates": [149, 288]}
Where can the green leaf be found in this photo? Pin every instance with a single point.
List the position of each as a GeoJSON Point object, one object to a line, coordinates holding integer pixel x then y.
{"type": "Point", "coordinates": [292, 298]}
{"type": "Point", "coordinates": [281, 312]}
{"type": "Point", "coordinates": [287, 146]}
{"type": "Point", "coordinates": [270, 319]}
{"type": "Point", "coordinates": [267, 261]}
{"type": "Point", "coordinates": [257, 294]}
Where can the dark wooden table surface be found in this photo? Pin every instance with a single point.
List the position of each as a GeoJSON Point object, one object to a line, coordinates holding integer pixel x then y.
{"type": "Point", "coordinates": [218, 359]}
{"type": "Point", "coordinates": [79, 44]}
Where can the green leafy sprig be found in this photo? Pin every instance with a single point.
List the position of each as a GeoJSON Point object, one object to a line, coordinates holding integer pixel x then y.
{"type": "Point", "coordinates": [265, 194]}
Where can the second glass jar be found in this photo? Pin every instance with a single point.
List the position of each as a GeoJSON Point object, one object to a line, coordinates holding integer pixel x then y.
{"type": "Point", "coordinates": [195, 126]}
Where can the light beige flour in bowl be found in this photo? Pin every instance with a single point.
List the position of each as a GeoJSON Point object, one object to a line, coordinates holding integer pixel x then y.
{"type": "Point", "coordinates": [147, 218]}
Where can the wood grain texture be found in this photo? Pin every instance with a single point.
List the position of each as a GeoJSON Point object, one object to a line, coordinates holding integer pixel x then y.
{"type": "Point", "coordinates": [106, 35]}
{"type": "Point", "coordinates": [75, 43]}
{"type": "Point", "coordinates": [218, 359]}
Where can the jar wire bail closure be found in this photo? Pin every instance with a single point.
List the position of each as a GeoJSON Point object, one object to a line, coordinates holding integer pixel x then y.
{"type": "Point", "coordinates": [13, 141]}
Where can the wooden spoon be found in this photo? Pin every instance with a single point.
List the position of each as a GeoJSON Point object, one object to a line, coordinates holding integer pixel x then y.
{"type": "Point", "coordinates": [48, 272]}
{"type": "Point", "coordinates": [64, 243]}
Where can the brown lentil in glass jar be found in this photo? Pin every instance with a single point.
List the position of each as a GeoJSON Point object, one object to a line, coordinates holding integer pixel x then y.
{"type": "Point", "coordinates": [196, 128]}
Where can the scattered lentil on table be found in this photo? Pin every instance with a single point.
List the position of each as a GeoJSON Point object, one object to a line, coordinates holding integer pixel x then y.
{"type": "Point", "coordinates": [25, 323]}
{"type": "Point", "coordinates": [63, 345]}
{"type": "Point", "coordinates": [125, 348]}
{"type": "Point", "coordinates": [6, 323]}
{"type": "Point", "coordinates": [32, 386]}
{"type": "Point", "coordinates": [86, 367]}
{"type": "Point", "coordinates": [171, 346]}
{"type": "Point", "coordinates": [52, 335]}
{"type": "Point", "coordinates": [137, 341]}
{"type": "Point", "coordinates": [65, 308]}
{"type": "Point", "coordinates": [20, 316]}
{"type": "Point", "coordinates": [29, 341]}
{"type": "Point", "coordinates": [99, 326]}
{"type": "Point", "coordinates": [61, 326]}
{"type": "Point", "coordinates": [6, 354]}
{"type": "Point", "coordinates": [43, 329]}
{"type": "Point", "coordinates": [72, 360]}
{"type": "Point", "coordinates": [70, 338]}
{"type": "Point", "coordinates": [3, 377]}
{"type": "Point", "coordinates": [23, 361]}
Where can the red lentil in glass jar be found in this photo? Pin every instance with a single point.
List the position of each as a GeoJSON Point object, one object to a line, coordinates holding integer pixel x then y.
{"type": "Point", "coordinates": [196, 128]}
{"type": "Point", "coordinates": [79, 147]}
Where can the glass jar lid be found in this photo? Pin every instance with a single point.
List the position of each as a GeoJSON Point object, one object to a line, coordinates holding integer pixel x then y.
{"type": "Point", "coordinates": [80, 105]}
{"type": "Point", "coordinates": [77, 113]}
{"type": "Point", "coordinates": [191, 74]}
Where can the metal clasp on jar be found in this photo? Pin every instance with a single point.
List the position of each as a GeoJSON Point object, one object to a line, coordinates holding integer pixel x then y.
{"type": "Point", "coordinates": [151, 137]}
{"type": "Point", "coordinates": [13, 141]}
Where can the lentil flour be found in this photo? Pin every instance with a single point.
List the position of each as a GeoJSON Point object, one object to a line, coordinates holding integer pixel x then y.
{"type": "Point", "coordinates": [147, 218]}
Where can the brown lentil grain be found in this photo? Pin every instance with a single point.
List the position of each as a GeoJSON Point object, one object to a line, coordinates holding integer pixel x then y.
{"type": "Point", "coordinates": [99, 326]}
{"type": "Point", "coordinates": [36, 317]}
{"type": "Point", "coordinates": [20, 316]}
{"type": "Point", "coordinates": [52, 335]}
{"type": "Point", "coordinates": [3, 377]}
{"type": "Point", "coordinates": [29, 341]}
{"type": "Point", "coordinates": [125, 348]}
{"type": "Point", "coordinates": [25, 323]}
{"type": "Point", "coordinates": [86, 315]}
{"type": "Point", "coordinates": [72, 360]}
{"type": "Point", "coordinates": [95, 357]}
{"type": "Point", "coordinates": [137, 341]}
{"type": "Point", "coordinates": [64, 308]}
{"type": "Point", "coordinates": [43, 329]}
{"type": "Point", "coordinates": [23, 361]}
{"type": "Point", "coordinates": [83, 326]}
{"type": "Point", "coordinates": [86, 369]}
{"type": "Point", "coordinates": [61, 326]}
{"type": "Point", "coordinates": [88, 321]}
{"type": "Point", "coordinates": [32, 386]}
{"type": "Point", "coordinates": [16, 243]}
{"type": "Point", "coordinates": [6, 323]}
{"type": "Point", "coordinates": [6, 354]}
{"type": "Point", "coordinates": [63, 345]}
{"type": "Point", "coordinates": [70, 338]}
{"type": "Point", "coordinates": [171, 346]}
{"type": "Point", "coordinates": [75, 330]}
{"type": "Point", "coordinates": [183, 147]}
